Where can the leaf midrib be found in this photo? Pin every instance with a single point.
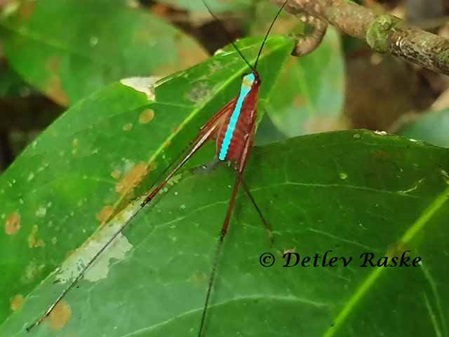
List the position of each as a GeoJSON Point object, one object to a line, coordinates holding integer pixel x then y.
{"type": "Point", "coordinates": [367, 284]}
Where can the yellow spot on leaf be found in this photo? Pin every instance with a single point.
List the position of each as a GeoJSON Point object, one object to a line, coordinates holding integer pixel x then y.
{"type": "Point", "coordinates": [105, 213]}
{"type": "Point", "coordinates": [33, 240]}
{"type": "Point", "coordinates": [54, 87]}
{"type": "Point", "coordinates": [132, 179]}
{"type": "Point", "coordinates": [17, 302]}
{"type": "Point", "coordinates": [127, 127]}
{"type": "Point", "coordinates": [12, 224]}
{"type": "Point", "coordinates": [60, 316]}
{"type": "Point", "coordinates": [146, 116]}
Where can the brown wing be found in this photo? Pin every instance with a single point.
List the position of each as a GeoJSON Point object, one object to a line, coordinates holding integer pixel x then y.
{"type": "Point", "coordinates": [219, 117]}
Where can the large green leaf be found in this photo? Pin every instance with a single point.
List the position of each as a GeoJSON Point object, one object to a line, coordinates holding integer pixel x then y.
{"type": "Point", "coordinates": [70, 48]}
{"type": "Point", "coordinates": [348, 193]}
{"type": "Point", "coordinates": [104, 151]}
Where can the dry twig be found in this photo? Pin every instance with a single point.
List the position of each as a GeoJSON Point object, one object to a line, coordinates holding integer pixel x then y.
{"type": "Point", "coordinates": [383, 33]}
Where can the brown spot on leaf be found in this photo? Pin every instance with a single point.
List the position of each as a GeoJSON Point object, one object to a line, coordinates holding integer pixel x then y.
{"type": "Point", "coordinates": [127, 127]}
{"type": "Point", "coordinates": [131, 179]}
{"type": "Point", "coordinates": [12, 224]}
{"type": "Point", "coordinates": [60, 316]}
{"type": "Point", "coordinates": [116, 174]}
{"type": "Point", "coordinates": [17, 302]}
{"type": "Point", "coordinates": [146, 116]}
{"type": "Point", "coordinates": [33, 240]}
{"type": "Point", "coordinates": [54, 86]}
{"type": "Point", "coordinates": [105, 213]}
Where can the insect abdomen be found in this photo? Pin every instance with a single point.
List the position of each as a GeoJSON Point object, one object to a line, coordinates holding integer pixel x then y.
{"type": "Point", "coordinates": [230, 148]}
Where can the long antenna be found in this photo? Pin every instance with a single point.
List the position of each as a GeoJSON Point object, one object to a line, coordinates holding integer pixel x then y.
{"type": "Point", "coordinates": [268, 33]}
{"type": "Point", "coordinates": [97, 254]}
{"type": "Point", "coordinates": [189, 151]}
{"type": "Point", "coordinates": [231, 40]}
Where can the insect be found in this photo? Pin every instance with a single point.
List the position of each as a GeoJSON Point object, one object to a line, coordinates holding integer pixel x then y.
{"type": "Point", "coordinates": [233, 129]}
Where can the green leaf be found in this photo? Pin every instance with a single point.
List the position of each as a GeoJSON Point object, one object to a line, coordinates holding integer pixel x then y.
{"type": "Point", "coordinates": [431, 127]}
{"type": "Point", "coordinates": [348, 193]}
{"type": "Point", "coordinates": [104, 151]}
{"type": "Point", "coordinates": [67, 50]}
{"type": "Point", "coordinates": [309, 94]}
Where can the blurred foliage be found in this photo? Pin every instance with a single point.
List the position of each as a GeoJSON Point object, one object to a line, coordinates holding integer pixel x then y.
{"type": "Point", "coordinates": [69, 59]}
{"type": "Point", "coordinates": [431, 127]}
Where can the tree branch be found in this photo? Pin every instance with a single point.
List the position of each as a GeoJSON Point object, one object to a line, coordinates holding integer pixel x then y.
{"type": "Point", "coordinates": [383, 33]}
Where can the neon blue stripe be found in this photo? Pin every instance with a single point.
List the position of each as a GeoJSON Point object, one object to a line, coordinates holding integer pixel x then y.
{"type": "Point", "coordinates": [245, 89]}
